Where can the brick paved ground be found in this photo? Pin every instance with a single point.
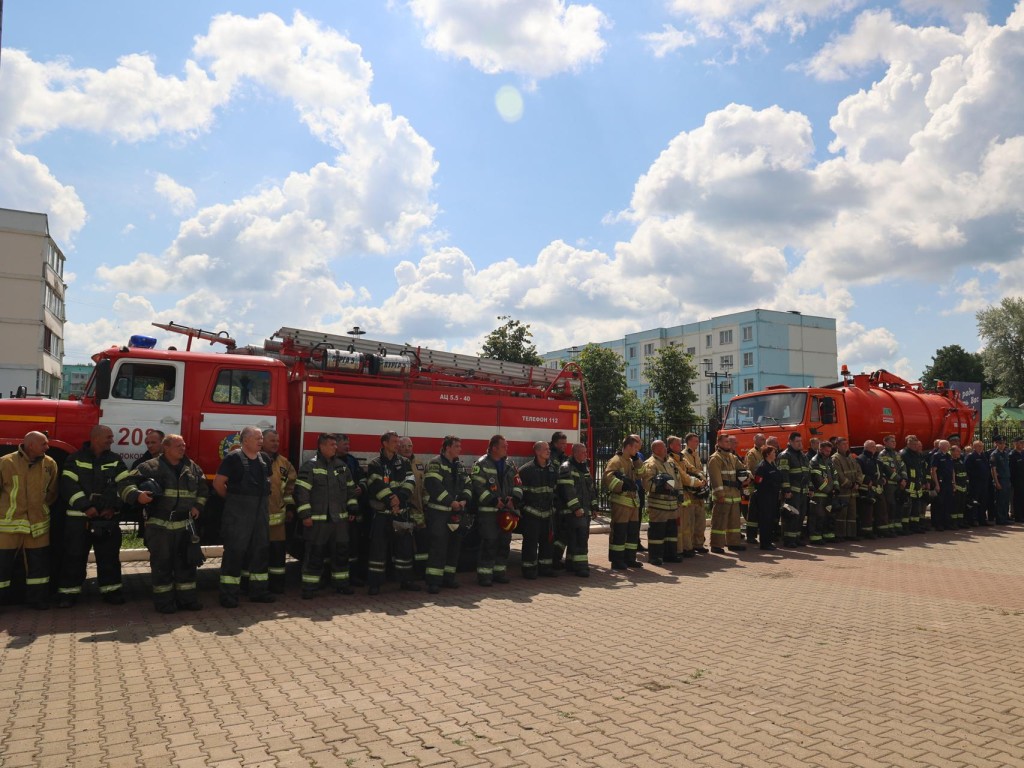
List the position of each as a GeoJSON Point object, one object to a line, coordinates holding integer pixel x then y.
{"type": "Point", "coordinates": [898, 654]}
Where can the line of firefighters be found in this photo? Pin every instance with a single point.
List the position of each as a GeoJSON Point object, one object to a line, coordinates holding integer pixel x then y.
{"type": "Point", "coordinates": [420, 512]}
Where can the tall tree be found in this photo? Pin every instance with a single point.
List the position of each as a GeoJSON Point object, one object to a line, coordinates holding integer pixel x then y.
{"type": "Point", "coordinates": [1001, 327]}
{"type": "Point", "coordinates": [605, 380]}
{"type": "Point", "coordinates": [954, 363]}
{"type": "Point", "coordinates": [671, 373]}
{"type": "Point", "coordinates": [510, 342]}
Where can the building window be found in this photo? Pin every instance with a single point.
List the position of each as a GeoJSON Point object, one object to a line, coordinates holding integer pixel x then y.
{"type": "Point", "coordinates": [53, 344]}
{"type": "Point", "coordinates": [632, 352]}
{"type": "Point", "coordinates": [711, 389]}
{"type": "Point", "coordinates": [748, 333]}
{"type": "Point", "coordinates": [748, 359]}
{"type": "Point", "coordinates": [691, 351]}
{"type": "Point", "coordinates": [748, 385]}
{"type": "Point", "coordinates": [649, 349]}
{"type": "Point", "coordinates": [707, 341]}
{"type": "Point", "coordinates": [632, 374]}
{"type": "Point", "coordinates": [54, 303]}
{"type": "Point", "coordinates": [53, 258]}
{"type": "Point", "coordinates": [725, 361]}
{"type": "Point", "coordinates": [727, 385]}
{"type": "Point", "coordinates": [236, 387]}
{"type": "Point", "coordinates": [725, 337]}
{"type": "Point", "coordinates": [143, 381]}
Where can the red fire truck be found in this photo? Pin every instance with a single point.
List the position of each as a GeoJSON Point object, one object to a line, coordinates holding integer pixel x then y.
{"type": "Point", "coordinates": [303, 383]}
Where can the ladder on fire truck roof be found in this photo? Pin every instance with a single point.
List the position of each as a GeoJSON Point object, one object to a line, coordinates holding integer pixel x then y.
{"type": "Point", "coordinates": [515, 374]}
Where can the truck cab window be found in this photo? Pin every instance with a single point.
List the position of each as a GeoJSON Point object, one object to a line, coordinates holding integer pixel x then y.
{"type": "Point", "coordinates": [239, 387]}
{"type": "Point", "coordinates": [145, 381]}
{"type": "Point", "coordinates": [815, 410]}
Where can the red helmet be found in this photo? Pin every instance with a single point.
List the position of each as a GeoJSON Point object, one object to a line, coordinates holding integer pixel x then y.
{"type": "Point", "coordinates": [508, 521]}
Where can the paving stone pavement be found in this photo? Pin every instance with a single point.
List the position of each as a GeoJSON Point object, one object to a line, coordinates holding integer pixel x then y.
{"type": "Point", "coordinates": [903, 653]}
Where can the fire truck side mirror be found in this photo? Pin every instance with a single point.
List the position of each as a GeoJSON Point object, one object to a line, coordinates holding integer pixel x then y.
{"type": "Point", "coordinates": [828, 411]}
{"type": "Point", "coordinates": [102, 380]}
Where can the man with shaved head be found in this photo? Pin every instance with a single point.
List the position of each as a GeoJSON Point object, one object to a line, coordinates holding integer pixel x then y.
{"type": "Point", "coordinates": [89, 487]}
{"type": "Point", "coordinates": [540, 480]}
{"type": "Point", "coordinates": [28, 486]}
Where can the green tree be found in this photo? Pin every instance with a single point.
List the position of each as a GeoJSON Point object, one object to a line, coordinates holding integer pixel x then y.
{"type": "Point", "coordinates": [605, 379]}
{"type": "Point", "coordinates": [671, 373]}
{"type": "Point", "coordinates": [638, 413]}
{"type": "Point", "coordinates": [954, 363]}
{"type": "Point", "coordinates": [1001, 327]}
{"type": "Point", "coordinates": [510, 342]}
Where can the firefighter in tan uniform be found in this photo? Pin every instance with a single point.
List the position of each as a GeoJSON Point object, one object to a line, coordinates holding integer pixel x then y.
{"type": "Point", "coordinates": [752, 458]}
{"type": "Point", "coordinates": [688, 502]}
{"type": "Point", "coordinates": [622, 477]}
{"type": "Point", "coordinates": [850, 476]}
{"type": "Point", "coordinates": [723, 467]}
{"type": "Point", "coordinates": [420, 536]}
{"type": "Point", "coordinates": [693, 467]}
{"type": "Point", "coordinates": [281, 506]}
{"type": "Point", "coordinates": [663, 486]}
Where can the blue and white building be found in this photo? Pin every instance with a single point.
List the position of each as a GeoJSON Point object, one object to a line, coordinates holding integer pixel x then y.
{"type": "Point", "coordinates": [756, 348]}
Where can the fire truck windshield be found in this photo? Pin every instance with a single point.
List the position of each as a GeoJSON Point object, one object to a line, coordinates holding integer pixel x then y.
{"type": "Point", "coordinates": [775, 408]}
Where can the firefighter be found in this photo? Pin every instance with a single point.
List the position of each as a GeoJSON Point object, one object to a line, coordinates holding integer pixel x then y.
{"type": "Point", "coordinates": [663, 488]}
{"type": "Point", "coordinates": [824, 491]}
{"type": "Point", "coordinates": [177, 492]}
{"type": "Point", "coordinates": [540, 480]}
{"type": "Point", "coordinates": [28, 487]}
{"type": "Point", "coordinates": [795, 480]}
{"type": "Point", "coordinates": [577, 495]}
{"type": "Point", "coordinates": [420, 538]}
{"type": "Point", "coordinates": [944, 479]}
{"type": "Point", "coordinates": [751, 462]}
{"type": "Point", "coordinates": [1000, 462]}
{"type": "Point", "coordinates": [281, 506]}
{"type": "Point", "coordinates": [694, 468]}
{"type": "Point", "coordinates": [154, 441]}
{"type": "Point", "coordinates": [959, 487]}
{"type": "Point", "coordinates": [358, 524]}
{"type": "Point", "coordinates": [623, 475]}
{"type": "Point", "coordinates": [558, 458]}
{"type": "Point", "coordinates": [88, 485]}
{"type": "Point", "coordinates": [447, 496]}
{"type": "Point", "coordinates": [1017, 478]}
{"type": "Point", "coordinates": [979, 480]}
{"type": "Point", "coordinates": [849, 475]}
{"type": "Point", "coordinates": [870, 490]}
{"type": "Point", "coordinates": [390, 485]}
{"type": "Point", "coordinates": [325, 499]}
{"type": "Point", "coordinates": [497, 491]}
{"type": "Point", "coordinates": [690, 482]}
{"type": "Point", "coordinates": [918, 482]}
{"type": "Point", "coordinates": [243, 481]}
{"type": "Point", "coordinates": [558, 442]}
{"type": "Point", "coordinates": [895, 487]}
{"type": "Point", "coordinates": [726, 488]}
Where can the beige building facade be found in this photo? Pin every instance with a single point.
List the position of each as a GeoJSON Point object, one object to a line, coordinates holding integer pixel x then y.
{"type": "Point", "coordinates": [32, 291]}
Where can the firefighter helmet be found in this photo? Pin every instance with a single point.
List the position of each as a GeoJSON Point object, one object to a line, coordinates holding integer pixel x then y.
{"type": "Point", "coordinates": [150, 486]}
{"type": "Point", "coordinates": [508, 521]}
{"type": "Point", "coordinates": [663, 483]}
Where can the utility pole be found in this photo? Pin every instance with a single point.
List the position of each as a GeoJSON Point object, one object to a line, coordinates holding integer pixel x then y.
{"type": "Point", "coordinates": [726, 377]}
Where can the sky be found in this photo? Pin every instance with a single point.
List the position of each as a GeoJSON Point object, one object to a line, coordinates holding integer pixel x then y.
{"type": "Point", "coordinates": [421, 167]}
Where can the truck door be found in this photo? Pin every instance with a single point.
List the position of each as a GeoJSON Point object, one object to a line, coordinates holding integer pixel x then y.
{"type": "Point", "coordinates": [144, 395]}
{"type": "Point", "coordinates": [233, 398]}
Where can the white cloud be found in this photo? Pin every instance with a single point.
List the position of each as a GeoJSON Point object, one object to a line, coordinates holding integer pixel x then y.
{"type": "Point", "coordinates": [669, 40]}
{"type": "Point", "coordinates": [127, 229]}
{"type": "Point", "coordinates": [532, 38]}
{"type": "Point", "coordinates": [749, 22]}
{"type": "Point", "coordinates": [181, 198]}
{"type": "Point", "coordinates": [28, 184]}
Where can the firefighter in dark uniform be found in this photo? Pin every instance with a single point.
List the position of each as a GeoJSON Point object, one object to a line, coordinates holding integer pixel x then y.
{"type": "Point", "coordinates": [944, 478]}
{"type": "Point", "coordinates": [420, 537]}
{"type": "Point", "coordinates": [177, 492]}
{"type": "Point", "coordinates": [243, 481]}
{"type": "Point", "coordinates": [559, 440]}
{"type": "Point", "coordinates": [622, 477]}
{"type": "Point", "coordinates": [979, 480]}
{"type": "Point", "coordinates": [539, 477]}
{"type": "Point", "coordinates": [558, 458]}
{"type": "Point", "coordinates": [496, 489]}
{"type": "Point", "coordinates": [281, 506]}
{"type": "Point", "coordinates": [871, 489]}
{"type": "Point", "coordinates": [577, 495]}
{"type": "Point", "coordinates": [664, 489]}
{"type": "Point", "coordinates": [795, 479]}
{"type": "Point", "coordinates": [765, 503]}
{"type": "Point", "coordinates": [390, 485]}
{"type": "Point", "coordinates": [824, 490]}
{"type": "Point", "coordinates": [1017, 478]}
{"type": "Point", "coordinates": [999, 459]}
{"type": "Point", "coordinates": [959, 487]}
{"type": "Point", "coordinates": [29, 484]}
{"type": "Point", "coordinates": [751, 461]}
{"type": "Point", "coordinates": [895, 485]}
{"type": "Point", "coordinates": [359, 524]}
{"type": "Point", "coordinates": [918, 482]}
{"type": "Point", "coordinates": [447, 496]}
{"type": "Point", "coordinates": [325, 498]}
{"type": "Point", "coordinates": [89, 487]}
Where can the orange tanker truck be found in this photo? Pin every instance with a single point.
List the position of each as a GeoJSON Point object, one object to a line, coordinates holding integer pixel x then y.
{"type": "Point", "coordinates": [862, 407]}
